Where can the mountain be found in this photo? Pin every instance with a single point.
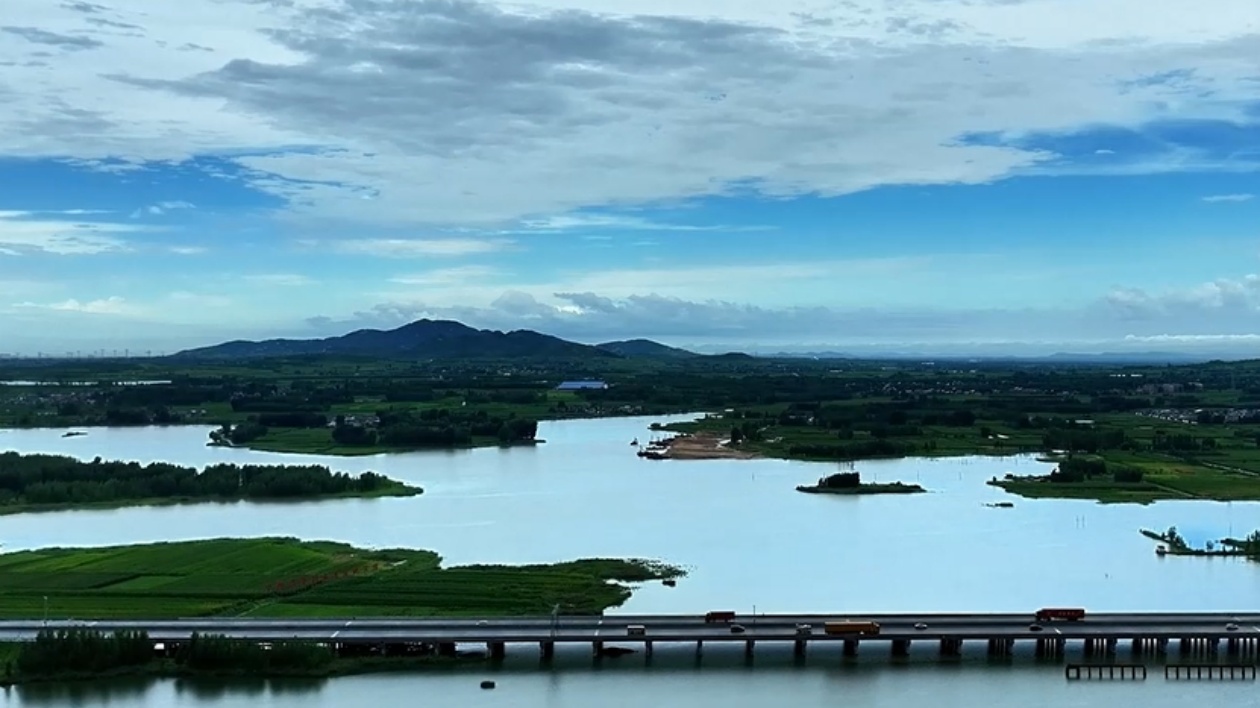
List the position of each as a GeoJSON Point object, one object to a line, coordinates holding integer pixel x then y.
{"type": "Point", "coordinates": [645, 349]}
{"type": "Point", "coordinates": [425, 339]}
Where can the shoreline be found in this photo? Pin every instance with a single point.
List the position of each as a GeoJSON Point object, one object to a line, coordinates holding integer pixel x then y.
{"type": "Point", "coordinates": [401, 491]}
{"type": "Point", "coordinates": [697, 446]}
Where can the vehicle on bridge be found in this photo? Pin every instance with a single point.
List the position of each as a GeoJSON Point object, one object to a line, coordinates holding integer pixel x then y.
{"type": "Point", "coordinates": [1050, 614]}
{"type": "Point", "coordinates": [719, 616]}
{"type": "Point", "coordinates": [865, 628]}
{"type": "Point", "coordinates": [635, 630]}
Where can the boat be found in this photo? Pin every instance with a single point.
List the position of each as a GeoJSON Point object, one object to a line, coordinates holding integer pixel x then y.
{"type": "Point", "coordinates": [1161, 550]}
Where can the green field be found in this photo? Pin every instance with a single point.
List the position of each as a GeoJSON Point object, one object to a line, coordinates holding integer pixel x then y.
{"type": "Point", "coordinates": [277, 577]}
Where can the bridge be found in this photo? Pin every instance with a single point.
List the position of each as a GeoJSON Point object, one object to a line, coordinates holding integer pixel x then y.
{"type": "Point", "coordinates": [1098, 633]}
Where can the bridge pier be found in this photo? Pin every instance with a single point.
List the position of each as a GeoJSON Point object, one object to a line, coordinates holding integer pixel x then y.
{"type": "Point", "coordinates": [647, 647]}
{"type": "Point", "coordinates": [798, 648]}
{"type": "Point", "coordinates": [547, 650]}
{"type": "Point", "coordinates": [498, 650]}
{"type": "Point", "coordinates": [850, 647]}
{"type": "Point", "coordinates": [900, 647]}
{"type": "Point", "coordinates": [749, 647]}
{"type": "Point", "coordinates": [699, 647]}
{"type": "Point", "coordinates": [446, 649]}
{"type": "Point", "coordinates": [951, 647]}
{"type": "Point", "coordinates": [597, 647]}
{"type": "Point", "coordinates": [1000, 647]}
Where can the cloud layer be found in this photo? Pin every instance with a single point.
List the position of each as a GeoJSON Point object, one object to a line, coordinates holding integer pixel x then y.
{"type": "Point", "coordinates": [456, 112]}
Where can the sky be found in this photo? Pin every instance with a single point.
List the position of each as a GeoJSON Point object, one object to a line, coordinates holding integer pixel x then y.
{"type": "Point", "coordinates": [852, 175]}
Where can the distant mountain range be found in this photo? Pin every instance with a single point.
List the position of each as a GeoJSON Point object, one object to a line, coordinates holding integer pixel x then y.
{"type": "Point", "coordinates": [446, 339]}
{"type": "Point", "coordinates": [438, 339]}
{"type": "Point", "coordinates": [645, 348]}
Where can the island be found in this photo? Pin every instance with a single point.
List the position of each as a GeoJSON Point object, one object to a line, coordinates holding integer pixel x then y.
{"type": "Point", "coordinates": [851, 483]}
{"type": "Point", "coordinates": [272, 577]}
{"type": "Point", "coordinates": [37, 482]}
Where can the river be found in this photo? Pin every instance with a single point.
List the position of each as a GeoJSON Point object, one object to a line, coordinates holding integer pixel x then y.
{"type": "Point", "coordinates": [749, 541]}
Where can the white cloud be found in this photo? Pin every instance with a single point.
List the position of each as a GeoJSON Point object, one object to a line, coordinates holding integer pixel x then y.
{"type": "Point", "coordinates": [23, 233]}
{"type": "Point", "coordinates": [445, 277]}
{"type": "Point", "coordinates": [184, 298]}
{"type": "Point", "coordinates": [113, 305]}
{"type": "Point", "coordinates": [188, 250]}
{"type": "Point", "coordinates": [458, 113]}
{"type": "Point", "coordinates": [569, 222]}
{"type": "Point", "coordinates": [1229, 198]}
{"type": "Point", "coordinates": [161, 208]}
{"type": "Point", "coordinates": [413, 248]}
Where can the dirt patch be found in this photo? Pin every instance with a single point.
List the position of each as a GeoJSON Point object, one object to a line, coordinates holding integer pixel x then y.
{"type": "Point", "coordinates": [702, 446]}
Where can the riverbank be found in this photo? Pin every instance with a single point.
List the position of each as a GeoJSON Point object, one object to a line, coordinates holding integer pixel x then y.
{"type": "Point", "coordinates": [282, 577]}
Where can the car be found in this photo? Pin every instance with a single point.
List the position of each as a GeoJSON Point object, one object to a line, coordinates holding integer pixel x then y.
{"type": "Point", "coordinates": [1034, 628]}
{"type": "Point", "coordinates": [920, 626]}
{"type": "Point", "coordinates": [737, 629]}
{"type": "Point", "coordinates": [483, 623]}
{"type": "Point", "coordinates": [1231, 627]}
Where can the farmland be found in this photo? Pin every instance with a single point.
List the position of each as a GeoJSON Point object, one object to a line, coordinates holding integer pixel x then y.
{"type": "Point", "coordinates": [278, 577]}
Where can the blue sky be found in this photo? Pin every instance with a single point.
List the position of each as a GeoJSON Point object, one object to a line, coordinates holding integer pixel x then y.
{"type": "Point", "coordinates": [930, 176]}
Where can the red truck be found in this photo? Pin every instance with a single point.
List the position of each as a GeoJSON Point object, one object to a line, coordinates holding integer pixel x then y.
{"type": "Point", "coordinates": [1071, 614]}
{"type": "Point", "coordinates": [719, 616]}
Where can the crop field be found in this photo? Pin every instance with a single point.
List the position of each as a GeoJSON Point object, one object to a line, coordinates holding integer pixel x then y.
{"type": "Point", "coordinates": [288, 578]}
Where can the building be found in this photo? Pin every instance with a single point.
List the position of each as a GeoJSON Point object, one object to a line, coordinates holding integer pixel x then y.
{"type": "Point", "coordinates": [581, 385]}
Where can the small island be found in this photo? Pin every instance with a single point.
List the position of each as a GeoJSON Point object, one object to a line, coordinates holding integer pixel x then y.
{"type": "Point", "coordinates": [272, 577]}
{"type": "Point", "coordinates": [851, 483]}
{"type": "Point", "coordinates": [52, 483]}
{"type": "Point", "coordinates": [1174, 544]}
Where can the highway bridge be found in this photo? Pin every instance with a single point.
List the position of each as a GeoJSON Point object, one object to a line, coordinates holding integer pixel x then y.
{"type": "Point", "coordinates": [1099, 633]}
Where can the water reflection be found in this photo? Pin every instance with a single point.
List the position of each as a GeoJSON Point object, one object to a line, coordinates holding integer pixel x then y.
{"type": "Point", "coordinates": [122, 692]}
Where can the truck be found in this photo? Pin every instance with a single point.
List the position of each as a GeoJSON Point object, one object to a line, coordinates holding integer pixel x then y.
{"type": "Point", "coordinates": [636, 630]}
{"type": "Point", "coordinates": [1070, 614]}
{"type": "Point", "coordinates": [719, 616]}
{"type": "Point", "coordinates": [862, 627]}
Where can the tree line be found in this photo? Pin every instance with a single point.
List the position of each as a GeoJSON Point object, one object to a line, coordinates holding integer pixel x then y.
{"type": "Point", "coordinates": [53, 479]}
{"type": "Point", "coordinates": [86, 651]}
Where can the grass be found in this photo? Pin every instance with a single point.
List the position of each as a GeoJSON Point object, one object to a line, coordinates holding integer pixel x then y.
{"type": "Point", "coordinates": [279, 577]}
